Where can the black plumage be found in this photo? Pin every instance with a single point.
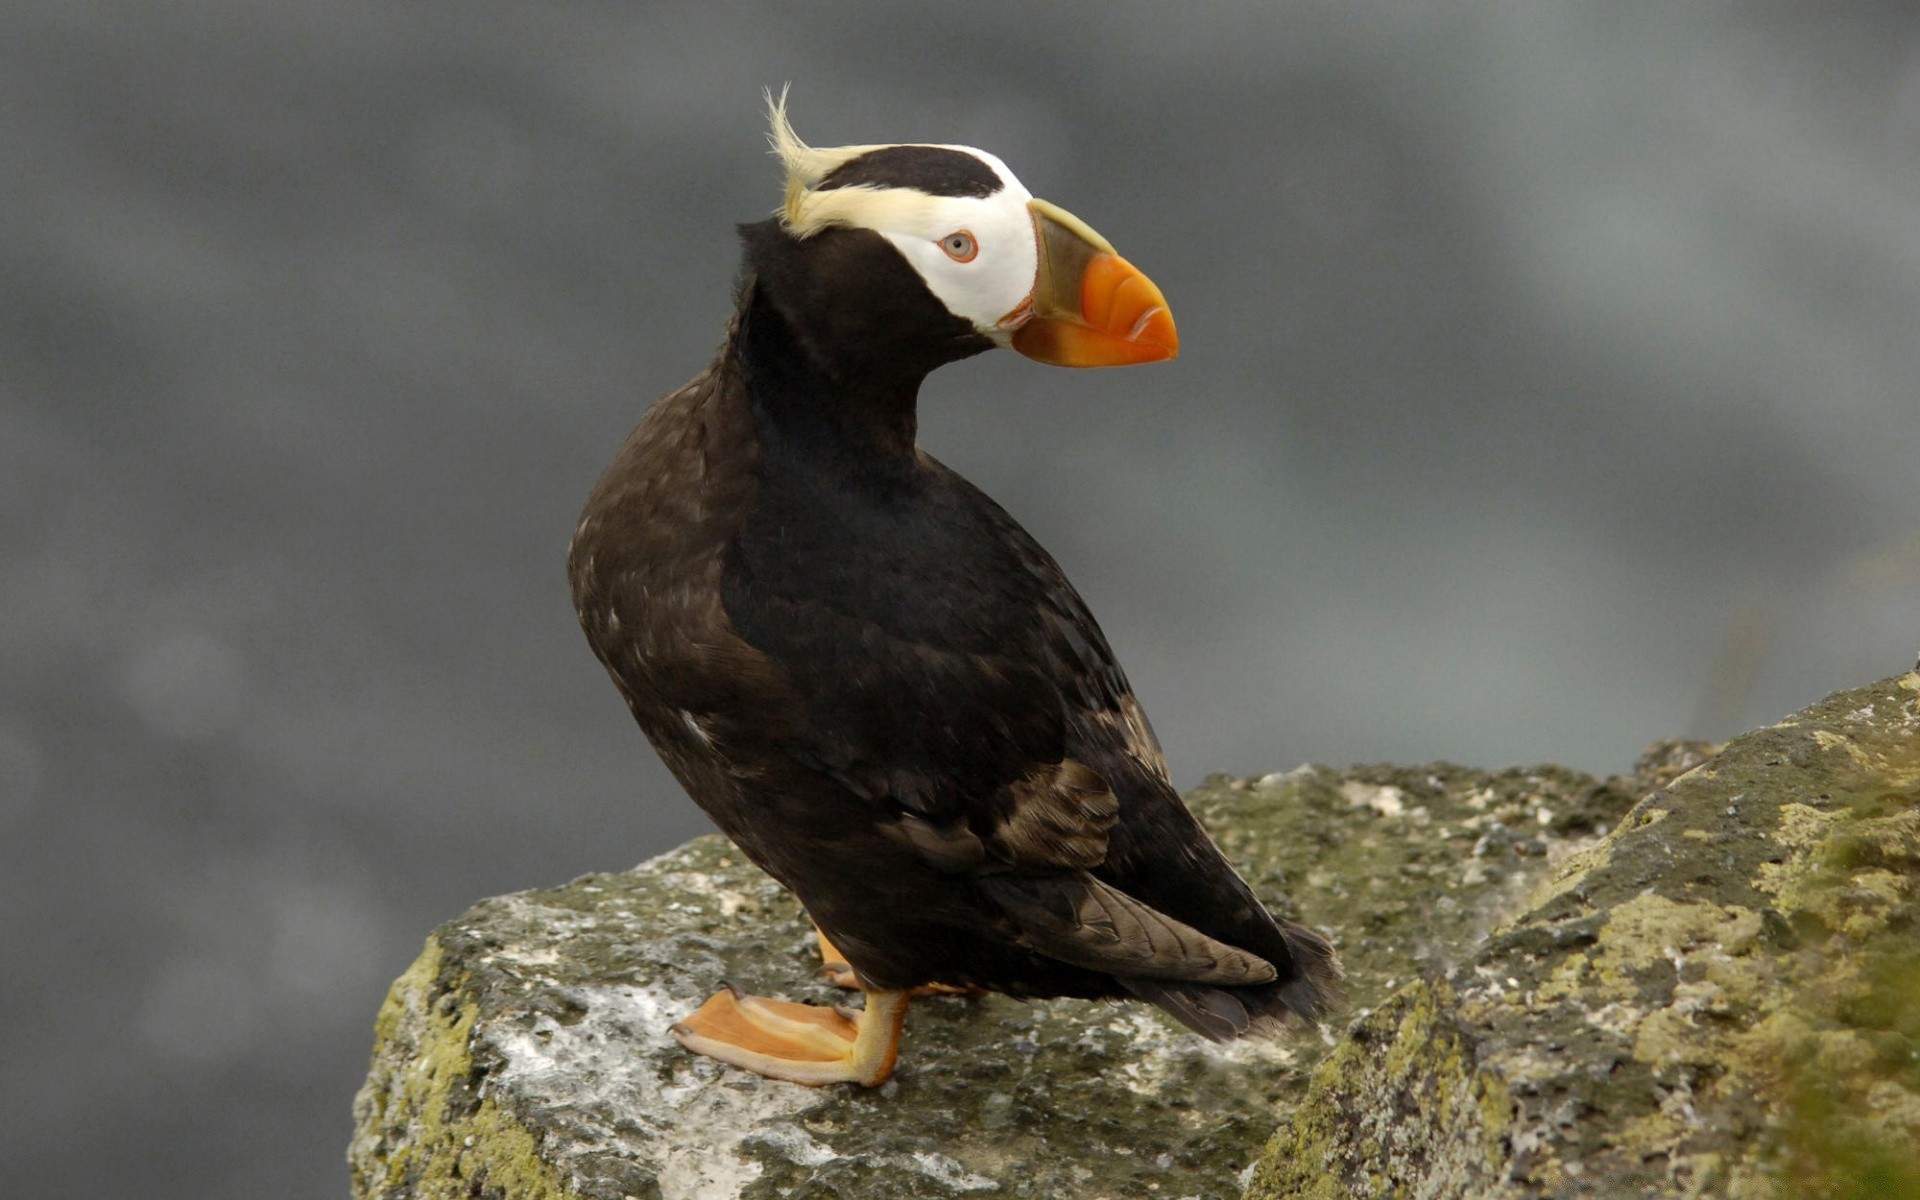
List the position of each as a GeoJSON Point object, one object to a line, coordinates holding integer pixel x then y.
{"type": "Point", "coordinates": [882, 688]}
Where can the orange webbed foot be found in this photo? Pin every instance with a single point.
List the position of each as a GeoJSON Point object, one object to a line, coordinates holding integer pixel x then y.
{"type": "Point", "coordinates": [800, 1043]}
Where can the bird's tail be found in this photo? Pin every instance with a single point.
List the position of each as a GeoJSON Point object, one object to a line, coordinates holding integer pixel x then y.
{"type": "Point", "coordinates": [1306, 989]}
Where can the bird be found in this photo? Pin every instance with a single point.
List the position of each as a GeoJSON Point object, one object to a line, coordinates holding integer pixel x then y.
{"type": "Point", "coordinates": [874, 681]}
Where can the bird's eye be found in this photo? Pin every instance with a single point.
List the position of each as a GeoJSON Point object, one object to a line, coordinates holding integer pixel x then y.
{"type": "Point", "coordinates": [960, 246]}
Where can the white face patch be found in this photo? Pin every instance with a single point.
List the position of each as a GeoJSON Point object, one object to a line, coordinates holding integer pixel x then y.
{"type": "Point", "coordinates": [994, 272]}
{"type": "Point", "coordinates": [980, 287]}
{"type": "Point", "coordinates": [998, 277]}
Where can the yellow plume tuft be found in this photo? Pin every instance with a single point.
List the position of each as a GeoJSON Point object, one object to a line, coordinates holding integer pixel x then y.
{"type": "Point", "coordinates": [802, 213]}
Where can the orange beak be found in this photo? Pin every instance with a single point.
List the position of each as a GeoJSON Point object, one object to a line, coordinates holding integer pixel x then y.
{"type": "Point", "coordinates": [1089, 307]}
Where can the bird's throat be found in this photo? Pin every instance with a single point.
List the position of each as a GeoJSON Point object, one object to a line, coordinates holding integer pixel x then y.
{"type": "Point", "coordinates": [812, 397]}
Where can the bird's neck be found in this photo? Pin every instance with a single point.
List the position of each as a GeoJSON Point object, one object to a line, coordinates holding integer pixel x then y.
{"type": "Point", "coordinates": [816, 397]}
{"type": "Point", "coordinates": [836, 334]}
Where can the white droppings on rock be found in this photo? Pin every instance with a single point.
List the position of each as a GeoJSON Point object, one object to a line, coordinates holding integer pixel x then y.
{"type": "Point", "coordinates": [597, 1065]}
{"type": "Point", "coordinates": [1385, 799]}
{"type": "Point", "coordinates": [729, 900]}
{"type": "Point", "coordinates": [794, 1144]}
{"type": "Point", "coordinates": [947, 1172]}
{"type": "Point", "coordinates": [1280, 779]}
{"type": "Point", "coordinates": [525, 956]}
{"type": "Point", "coordinates": [1160, 1054]}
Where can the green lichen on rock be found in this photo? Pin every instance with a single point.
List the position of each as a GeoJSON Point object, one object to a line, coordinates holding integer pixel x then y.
{"type": "Point", "coordinates": [1410, 867]}
{"type": "Point", "coordinates": [1412, 1047]}
{"type": "Point", "coordinates": [1715, 1000]}
{"type": "Point", "coordinates": [536, 1024]}
{"type": "Point", "coordinates": [421, 1129]}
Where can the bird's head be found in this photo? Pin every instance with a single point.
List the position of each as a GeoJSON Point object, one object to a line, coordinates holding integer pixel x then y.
{"type": "Point", "coordinates": [1020, 271]}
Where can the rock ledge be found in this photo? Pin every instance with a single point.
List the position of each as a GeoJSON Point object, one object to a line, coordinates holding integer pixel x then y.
{"type": "Point", "coordinates": [1560, 988]}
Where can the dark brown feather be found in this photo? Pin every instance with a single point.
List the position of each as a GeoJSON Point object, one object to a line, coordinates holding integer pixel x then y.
{"type": "Point", "coordinates": [1077, 919]}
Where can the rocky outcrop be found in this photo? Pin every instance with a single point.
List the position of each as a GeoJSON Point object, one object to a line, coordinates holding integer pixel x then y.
{"type": "Point", "coordinates": [1704, 996]}
{"type": "Point", "coordinates": [1722, 998]}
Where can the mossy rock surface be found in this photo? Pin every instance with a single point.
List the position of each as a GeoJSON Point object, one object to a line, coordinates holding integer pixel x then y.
{"type": "Point", "coordinates": [526, 1052]}
{"type": "Point", "coordinates": [1722, 998]}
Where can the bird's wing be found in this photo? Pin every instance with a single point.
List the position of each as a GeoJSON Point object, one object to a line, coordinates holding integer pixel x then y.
{"type": "Point", "coordinates": [1080, 920]}
{"type": "Point", "coordinates": [1056, 825]}
{"type": "Point", "coordinates": [956, 686]}
{"type": "Point", "coordinates": [950, 673]}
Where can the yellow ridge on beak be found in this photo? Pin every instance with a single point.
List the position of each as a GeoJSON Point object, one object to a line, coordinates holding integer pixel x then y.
{"type": "Point", "coordinates": [1089, 307]}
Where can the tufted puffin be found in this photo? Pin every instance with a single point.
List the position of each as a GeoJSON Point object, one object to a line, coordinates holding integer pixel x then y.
{"type": "Point", "coordinates": [874, 681]}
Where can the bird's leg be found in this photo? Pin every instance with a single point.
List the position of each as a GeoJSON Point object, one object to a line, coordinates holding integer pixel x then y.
{"type": "Point", "coordinates": [840, 973]}
{"type": "Point", "coordinates": [801, 1043]}
{"type": "Point", "coordinates": [834, 965]}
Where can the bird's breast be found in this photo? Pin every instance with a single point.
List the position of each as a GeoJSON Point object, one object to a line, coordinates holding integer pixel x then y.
{"type": "Point", "coordinates": [648, 556]}
{"type": "Point", "coordinates": [912, 563]}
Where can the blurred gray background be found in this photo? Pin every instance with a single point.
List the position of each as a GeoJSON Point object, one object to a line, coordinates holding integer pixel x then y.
{"type": "Point", "coordinates": [1548, 387]}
